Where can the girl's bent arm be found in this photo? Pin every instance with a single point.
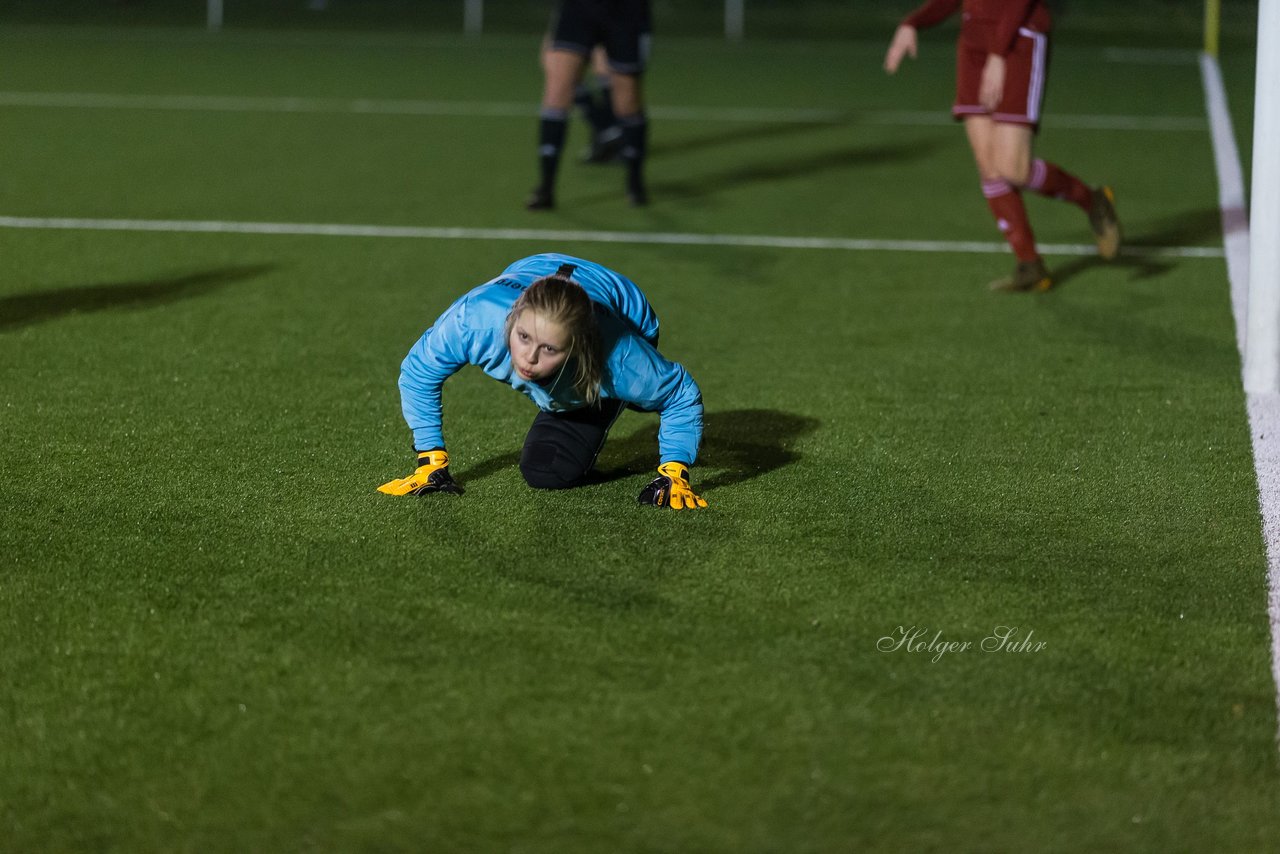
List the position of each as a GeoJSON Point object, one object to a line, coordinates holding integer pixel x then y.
{"type": "Point", "coordinates": [439, 354]}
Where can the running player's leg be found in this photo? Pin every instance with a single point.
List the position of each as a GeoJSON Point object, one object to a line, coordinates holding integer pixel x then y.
{"type": "Point", "coordinates": [1003, 198]}
{"type": "Point", "coordinates": [1098, 203]}
{"type": "Point", "coordinates": [1011, 151]}
{"type": "Point", "coordinates": [1002, 195]}
{"type": "Point", "coordinates": [1050, 180]}
{"type": "Point", "coordinates": [998, 148]}
{"type": "Point", "coordinates": [1026, 72]}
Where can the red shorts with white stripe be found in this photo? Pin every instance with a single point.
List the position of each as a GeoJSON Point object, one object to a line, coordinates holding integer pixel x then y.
{"type": "Point", "coordinates": [1025, 69]}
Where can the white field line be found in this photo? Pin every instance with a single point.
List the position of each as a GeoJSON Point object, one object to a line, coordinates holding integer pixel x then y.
{"type": "Point", "coordinates": [1231, 201]}
{"type": "Point", "coordinates": [1264, 409]}
{"type": "Point", "coordinates": [497, 109]}
{"type": "Point", "coordinates": [319, 229]}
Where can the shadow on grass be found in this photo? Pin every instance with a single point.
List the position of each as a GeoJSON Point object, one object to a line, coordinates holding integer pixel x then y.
{"type": "Point", "coordinates": [488, 467]}
{"type": "Point", "coordinates": [1171, 346]}
{"type": "Point", "coordinates": [1143, 267]}
{"type": "Point", "coordinates": [1189, 228]}
{"type": "Point", "coordinates": [780, 169]}
{"type": "Point", "coordinates": [737, 136]}
{"type": "Point", "coordinates": [42, 306]}
{"type": "Point", "coordinates": [740, 444]}
{"type": "Point", "coordinates": [593, 587]}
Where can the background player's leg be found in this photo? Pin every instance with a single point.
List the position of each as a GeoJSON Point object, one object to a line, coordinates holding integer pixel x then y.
{"type": "Point", "coordinates": [561, 70]}
{"type": "Point", "coordinates": [597, 107]}
{"type": "Point", "coordinates": [628, 104]}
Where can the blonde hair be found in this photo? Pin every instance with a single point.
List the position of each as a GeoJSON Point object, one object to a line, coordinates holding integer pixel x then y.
{"type": "Point", "coordinates": [561, 300]}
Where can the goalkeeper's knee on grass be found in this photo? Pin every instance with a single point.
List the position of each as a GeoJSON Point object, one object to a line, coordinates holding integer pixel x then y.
{"type": "Point", "coordinates": [553, 465]}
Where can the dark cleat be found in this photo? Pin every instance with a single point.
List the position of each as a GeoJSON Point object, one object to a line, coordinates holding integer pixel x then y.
{"type": "Point", "coordinates": [541, 199]}
{"type": "Point", "coordinates": [1028, 277]}
{"type": "Point", "coordinates": [606, 147]}
{"type": "Point", "coordinates": [1104, 222]}
{"type": "Point", "coordinates": [638, 196]}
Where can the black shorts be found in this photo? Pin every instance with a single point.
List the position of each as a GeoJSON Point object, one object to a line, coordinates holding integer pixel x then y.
{"type": "Point", "coordinates": [561, 447]}
{"type": "Point", "coordinates": [621, 26]}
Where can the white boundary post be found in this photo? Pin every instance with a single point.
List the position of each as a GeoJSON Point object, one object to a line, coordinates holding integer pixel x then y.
{"type": "Point", "coordinates": [734, 19]}
{"type": "Point", "coordinates": [473, 17]}
{"type": "Point", "coordinates": [1262, 343]}
{"type": "Point", "coordinates": [215, 15]}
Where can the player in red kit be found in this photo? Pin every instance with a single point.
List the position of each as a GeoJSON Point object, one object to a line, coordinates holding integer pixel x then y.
{"type": "Point", "coordinates": [1002, 59]}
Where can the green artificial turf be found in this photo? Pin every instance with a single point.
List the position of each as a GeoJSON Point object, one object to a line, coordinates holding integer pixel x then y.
{"type": "Point", "coordinates": [216, 636]}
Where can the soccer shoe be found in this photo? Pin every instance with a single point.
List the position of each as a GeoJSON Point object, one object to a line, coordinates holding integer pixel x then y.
{"type": "Point", "coordinates": [541, 199]}
{"type": "Point", "coordinates": [1028, 276]}
{"type": "Point", "coordinates": [637, 195]}
{"type": "Point", "coordinates": [606, 147]}
{"type": "Point", "coordinates": [1104, 222]}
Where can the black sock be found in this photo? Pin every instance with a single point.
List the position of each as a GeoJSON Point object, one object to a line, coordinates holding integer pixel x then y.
{"type": "Point", "coordinates": [635, 134]}
{"type": "Point", "coordinates": [584, 99]}
{"type": "Point", "coordinates": [601, 115]}
{"type": "Point", "coordinates": [551, 133]}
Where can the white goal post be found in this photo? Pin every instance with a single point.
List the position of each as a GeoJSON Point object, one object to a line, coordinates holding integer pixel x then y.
{"type": "Point", "coordinates": [1262, 338]}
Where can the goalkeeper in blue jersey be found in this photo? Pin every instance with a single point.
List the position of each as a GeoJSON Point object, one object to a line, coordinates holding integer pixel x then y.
{"type": "Point", "coordinates": [580, 341]}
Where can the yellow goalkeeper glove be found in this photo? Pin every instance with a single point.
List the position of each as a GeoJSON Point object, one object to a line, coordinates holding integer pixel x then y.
{"type": "Point", "coordinates": [671, 489]}
{"type": "Point", "coordinates": [432, 475]}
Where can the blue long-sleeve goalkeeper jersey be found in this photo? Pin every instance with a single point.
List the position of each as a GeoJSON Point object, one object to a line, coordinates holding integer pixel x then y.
{"type": "Point", "coordinates": [472, 332]}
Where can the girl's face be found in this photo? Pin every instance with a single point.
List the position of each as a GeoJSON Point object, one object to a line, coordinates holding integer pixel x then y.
{"type": "Point", "coordinates": [538, 347]}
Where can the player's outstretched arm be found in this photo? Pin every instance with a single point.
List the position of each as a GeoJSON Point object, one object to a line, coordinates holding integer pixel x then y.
{"type": "Point", "coordinates": [904, 44]}
{"type": "Point", "coordinates": [671, 489]}
{"type": "Point", "coordinates": [432, 475]}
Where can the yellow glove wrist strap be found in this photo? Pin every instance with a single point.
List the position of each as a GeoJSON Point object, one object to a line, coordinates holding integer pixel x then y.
{"type": "Point", "coordinates": [675, 471]}
{"type": "Point", "coordinates": [435, 459]}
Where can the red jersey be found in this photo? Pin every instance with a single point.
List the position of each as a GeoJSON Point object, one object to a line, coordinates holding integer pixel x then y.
{"type": "Point", "coordinates": [991, 25]}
